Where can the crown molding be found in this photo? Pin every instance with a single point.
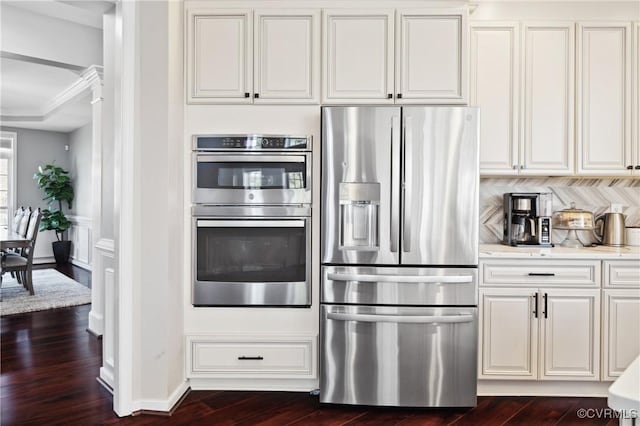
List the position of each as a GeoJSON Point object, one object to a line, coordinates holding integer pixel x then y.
{"type": "Point", "coordinates": [90, 80]}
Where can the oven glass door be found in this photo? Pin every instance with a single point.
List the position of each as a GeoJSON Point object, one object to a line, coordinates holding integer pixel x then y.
{"type": "Point", "coordinates": [240, 262]}
{"type": "Point", "coordinates": [252, 179]}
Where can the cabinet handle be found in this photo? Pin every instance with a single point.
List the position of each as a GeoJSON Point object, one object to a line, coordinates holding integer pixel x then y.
{"type": "Point", "coordinates": [399, 96]}
{"type": "Point", "coordinates": [629, 167]}
{"type": "Point", "coordinates": [256, 95]}
{"type": "Point", "coordinates": [542, 274]}
{"type": "Point", "coordinates": [638, 167]}
{"type": "Point", "coordinates": [250, 358]}
{"type": "Point", "coordinates": [389, 96]}
{"type": "Point", "coordinates": [545, 305]}
{"type": "Point", "coordinates": [247, 94]}
{"type": "Point", "coordinates": [535, 306]}
{"type": "Point", "coordinates": [515, 166]}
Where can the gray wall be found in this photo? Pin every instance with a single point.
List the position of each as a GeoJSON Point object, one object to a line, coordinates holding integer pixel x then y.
{"type": "Point", "coordinates": [36, 148]}
{"type": "Point", "coordinates": [80, 147]}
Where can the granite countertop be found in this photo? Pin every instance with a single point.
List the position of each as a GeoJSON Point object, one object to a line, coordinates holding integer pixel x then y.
{"type": "Point", "coordinates": [596, 252]}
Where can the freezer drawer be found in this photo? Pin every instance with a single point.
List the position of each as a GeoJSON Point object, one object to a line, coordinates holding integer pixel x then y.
{"type": "Point", "coordinates": [399, 286]}
{"type": "Point", "coordinates": [398, 356]}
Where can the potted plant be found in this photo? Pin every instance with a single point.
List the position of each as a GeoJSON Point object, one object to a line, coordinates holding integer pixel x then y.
{"type": "Point", "coordinates": [56, 184]}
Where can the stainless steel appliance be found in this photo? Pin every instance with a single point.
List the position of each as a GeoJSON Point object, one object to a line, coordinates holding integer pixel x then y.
{"type": "Point", "coordinates": [527, 218]}
{"type": "Point", "coordinates": [400, 255]}
{"type": "Point", "coordinates": [610, 229]}
{"type": "Point", "coordinates": [251, 169]}
{"type": "Point", "coordinates": [251, 256]}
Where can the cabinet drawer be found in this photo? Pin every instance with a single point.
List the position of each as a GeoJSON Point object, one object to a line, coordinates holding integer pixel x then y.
{"type": "Point", "coordinates": [541, 272]}
{"type": "Point", "coordinates": [231, 357]}
{"type": "Point", "coordinates": [621, 273]}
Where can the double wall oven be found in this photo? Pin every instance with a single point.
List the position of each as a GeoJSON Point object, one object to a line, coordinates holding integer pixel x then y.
{"type": "Point", "coordinates": [251, 220]}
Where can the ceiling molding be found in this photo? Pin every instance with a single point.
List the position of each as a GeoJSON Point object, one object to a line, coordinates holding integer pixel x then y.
{"type": "Point", "coordinates": [90, 79]}
{"type": "Point", "coordinates": [40, 61]}
{"type": "Point", "coordinates": [65, 11]}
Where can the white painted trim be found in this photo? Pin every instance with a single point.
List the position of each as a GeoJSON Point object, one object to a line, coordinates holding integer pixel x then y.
{"type": "Point", "coordinates": [540, 388]}
{"type": "Point", "coordinates": [255, 384]}
{"type": "Point", "coordinates": [13, 201]}
{"type": "Point", "coordinates": [126, 205]}
{"type": "Point", "coordinates": [106, 378]}
{"type": "Point", "coordinates": [76, 89]}
{"type": "Point", "coordinates": [163, 405]}
{"type": "Point", "coordinates": [106, 246]}
{"type": "Point", "coordinates": [43, 260]}
{"type": "Point", "coordinates": [79, 220]}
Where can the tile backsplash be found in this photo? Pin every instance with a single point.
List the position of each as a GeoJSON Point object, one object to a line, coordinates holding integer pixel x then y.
{"type": "Point", "coordinates": [594, 195]}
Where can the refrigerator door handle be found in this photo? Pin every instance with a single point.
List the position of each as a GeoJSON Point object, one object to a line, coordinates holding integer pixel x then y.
{"type": "Point", "coordinates": [406, 184]}
{"type": "Point", "coordinates": [416, 319]}
{"type": "Point", "coordinates": [436, 279]}
{"type": "Point", "coordinates": [395, 187]}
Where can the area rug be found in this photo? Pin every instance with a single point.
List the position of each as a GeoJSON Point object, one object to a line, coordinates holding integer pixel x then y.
{"type": "Point", "coordinates": [52, 290]}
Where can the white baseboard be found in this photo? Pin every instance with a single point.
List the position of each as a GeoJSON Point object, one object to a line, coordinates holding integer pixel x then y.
{"type": "Point", "coordinates": [542, 388]}
{"type": "Point", "coordinates": [96, 323]}
{"type": "Point", "coordinates": [106, 376]}
{"type": "Point", "coordinates": [42, 260]}
{"type": "Point", "coordinates": [162, 405]}
{"type": "Point", "coordinates": [254, 384]}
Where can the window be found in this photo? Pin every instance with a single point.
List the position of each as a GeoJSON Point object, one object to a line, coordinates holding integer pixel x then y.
{"type": "Point", "coordinates": [7, 177]}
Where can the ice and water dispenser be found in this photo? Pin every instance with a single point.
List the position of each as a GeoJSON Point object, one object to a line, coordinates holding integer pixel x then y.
{"type": "Point", "coordinates": [359, 212]}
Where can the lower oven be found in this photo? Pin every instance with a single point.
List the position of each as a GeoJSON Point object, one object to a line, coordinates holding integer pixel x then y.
{"type": "Point", "coordinates": [251, 256]}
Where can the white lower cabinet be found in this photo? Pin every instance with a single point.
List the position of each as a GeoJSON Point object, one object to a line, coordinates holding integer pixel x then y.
{"type": "Point", "coordinates": [539, 334]}
{"type": "Point", "coordinates": [239, 356]}
{"type": "Point", "coordinates": [621, 339]}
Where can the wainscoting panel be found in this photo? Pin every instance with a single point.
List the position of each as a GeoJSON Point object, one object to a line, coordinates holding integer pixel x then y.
{"type": "Point", "coordinates": [81, 241]}
{"type": "Point", "coordinates": [594, 195]}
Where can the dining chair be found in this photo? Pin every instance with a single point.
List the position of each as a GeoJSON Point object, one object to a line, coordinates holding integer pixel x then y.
{"type": "Point", "coordinates": [17, 218]}
{"type": "Point", "coordinates": [22, 264]}
{"type": "Point", "coordinates": [24, 222]}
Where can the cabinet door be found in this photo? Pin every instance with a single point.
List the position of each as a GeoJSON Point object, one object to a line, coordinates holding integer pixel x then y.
{"type": "Point", "coordinates": [431, 65]}
{"type": "Point", "coordinates": [494, 88]}
{"type": "Point", "coordinates": [635, 118]}
{"type": "Point", "coordinates": [508, 341]}
{"type": "Point", "coordinates": [548, 80]}
{"type": "Point", "coordinates": [621, 342]}
{"type": "Point", "coordinates": [287, 56]}
{"type": "Point", "coordinates": [604, 104]}
{"type": "Point", "coordinates": [358, 55]}
{"type": "Point", "coordinates": [219, 56]}
{"type": "Point", "coordinates": [570, 334]}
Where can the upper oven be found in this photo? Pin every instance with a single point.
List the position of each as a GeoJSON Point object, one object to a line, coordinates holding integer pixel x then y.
{"type": "Point", "coordinates": [251, 170]}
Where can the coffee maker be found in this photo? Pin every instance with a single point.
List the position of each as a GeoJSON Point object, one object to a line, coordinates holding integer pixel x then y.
{"type": "Point", "coordinates": [527, 219]}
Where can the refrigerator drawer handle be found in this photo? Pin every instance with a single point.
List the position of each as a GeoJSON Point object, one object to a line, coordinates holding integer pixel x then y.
{"type": "Point", "coordinates": [415, 319]}
{"type": "Point", "coordinates": [402, 278]}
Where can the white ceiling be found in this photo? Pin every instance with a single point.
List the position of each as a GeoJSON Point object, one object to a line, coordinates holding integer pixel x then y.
{"type": "Point", "coordinates": [29, 81]}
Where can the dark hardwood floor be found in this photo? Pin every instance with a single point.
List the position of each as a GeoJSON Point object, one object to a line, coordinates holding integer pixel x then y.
{"type": "Point", "coordinates": [49, 365]}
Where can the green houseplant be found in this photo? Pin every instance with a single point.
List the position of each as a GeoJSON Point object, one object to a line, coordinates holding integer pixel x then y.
{"type": "Point", "coordinates": [56, 184]}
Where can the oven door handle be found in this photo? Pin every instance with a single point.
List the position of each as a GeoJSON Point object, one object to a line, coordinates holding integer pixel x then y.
{"type": "Point", "coordinates": [248, 158]}
{"type": "Point", "coordinates": [250, 223]}
{"type": "Point", "coordinates": [412, 319]}
{"type": "Point", "coordinates": [402, 278]}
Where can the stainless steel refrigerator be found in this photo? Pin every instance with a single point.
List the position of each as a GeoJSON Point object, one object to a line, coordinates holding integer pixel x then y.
{"type": "Point", "coordinates": [399, 256]}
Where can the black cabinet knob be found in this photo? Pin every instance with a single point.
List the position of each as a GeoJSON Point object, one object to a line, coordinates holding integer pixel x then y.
{"type": "Point", "coordinates": [399, 95]}
{"type": "Point", "coordinates": [629, 167]}
{"type": "Point", "coordinates": [389, 96]}
{"type": "Point", "coordinates": [638, 167]}
{"type": "Point", "coordinates": [246, 94]}
{"type": "Point", "coordinates": [256, 95]}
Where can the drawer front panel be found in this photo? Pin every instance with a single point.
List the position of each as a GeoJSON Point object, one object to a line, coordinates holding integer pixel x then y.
{"type": "Point", "coordinates": [543, 272]}
{"type": "Point", "coordinates": [280, 359]}
{"type": "Point", "coordinates": [625, 273]}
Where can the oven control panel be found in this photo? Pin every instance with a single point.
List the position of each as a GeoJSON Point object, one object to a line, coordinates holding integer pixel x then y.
{"type": "Point", "coordinates": [251, 142]}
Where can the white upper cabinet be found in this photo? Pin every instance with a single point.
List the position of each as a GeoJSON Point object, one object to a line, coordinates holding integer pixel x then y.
{"type": "Point", "coordinates": [603, 101]}
{"type": "Point", "coordinates": [225, 63]}
{"type": "Point", "coordinates": [219, 56]}
{"type": "Point", "coordinates": [431, 56]}
{"type": "Point", "coordinates": [494, 87]}
{"type": "Point", "coordinates": [548, 108]}
{"type": "Point", "coordinates": [358, 54]}
{"type": "Point", "coordinates": [287, 56]}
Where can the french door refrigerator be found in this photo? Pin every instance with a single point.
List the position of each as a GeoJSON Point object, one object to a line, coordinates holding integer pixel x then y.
{"type": "Point", "coordinates": [399, 256]}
